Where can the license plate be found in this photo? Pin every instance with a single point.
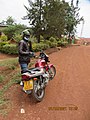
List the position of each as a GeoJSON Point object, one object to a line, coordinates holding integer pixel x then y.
{"type": "Point", "coordinates": [28, 85]}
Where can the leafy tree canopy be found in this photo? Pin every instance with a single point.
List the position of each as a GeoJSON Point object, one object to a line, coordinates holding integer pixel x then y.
{"type": "Point", "coordinates": [52, 17]}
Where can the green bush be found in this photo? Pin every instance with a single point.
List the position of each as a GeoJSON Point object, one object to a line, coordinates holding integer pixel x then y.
{"type": "Point", "coordinates": [58, 39]}
{"type": "Point", "coordinates": [12, 48]}
{"type": "Point", "coordinates": [39, 46]}
{"type": "Point", "coordinates": [3, 38]}
{"type": "Point", "coordinates": [51, 44]}
{"type": "Point", "coordinates": [17, 37]}
{"type": "Point", "coordinates": [52, 39]}
{"type": "Point", "coordinates": [9, 49]}
{"type": "Point", "coordinates": [33, 39]}
{"type": "Point", "coordinates": [62, 44]}
{"type": "Point", "coordinates": [41, 38]}
{"type": "Point", "coordinates": [59, 43]}
{"type": "Point", "coordinates": [3, 43]}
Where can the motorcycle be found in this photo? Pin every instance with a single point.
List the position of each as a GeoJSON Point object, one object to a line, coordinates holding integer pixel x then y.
{"type": "Point", "coordinates": [36, 79]}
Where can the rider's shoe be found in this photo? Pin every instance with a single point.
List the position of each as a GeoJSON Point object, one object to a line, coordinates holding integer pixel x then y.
{"type": "Point", "coordinates": [21, 83]}
{"type": "Point", "coordinates": [27, 91]}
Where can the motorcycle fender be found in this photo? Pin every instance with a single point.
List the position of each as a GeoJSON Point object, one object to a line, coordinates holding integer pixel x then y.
{"type": "Point", "coordinates": [50, 65]}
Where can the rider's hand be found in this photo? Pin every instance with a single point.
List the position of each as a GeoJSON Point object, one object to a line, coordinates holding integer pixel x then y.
{"type": "Point", "coordinates": [36, 56]}
{"type": "Point", "coordinates": [32, 54]}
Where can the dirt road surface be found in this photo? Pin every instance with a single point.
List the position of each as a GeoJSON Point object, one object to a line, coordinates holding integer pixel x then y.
{"type": "Point", "coordinates": [67, 96]}
{"type": "Point", "coordinates": [5, 56]}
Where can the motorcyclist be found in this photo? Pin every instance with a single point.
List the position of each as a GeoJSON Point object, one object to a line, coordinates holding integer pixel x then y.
{"type": "Point", "coordinates": [24, 50]}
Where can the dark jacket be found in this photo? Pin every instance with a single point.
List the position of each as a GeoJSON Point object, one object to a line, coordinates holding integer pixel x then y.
{"type": "Point", "coordinates": [24, 51]}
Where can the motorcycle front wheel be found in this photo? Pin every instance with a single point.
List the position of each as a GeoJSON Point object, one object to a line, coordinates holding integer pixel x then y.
{"type": "Point", "coordinates": [52, 72]}
{"type": "Point", "coordinates": [38, 91]}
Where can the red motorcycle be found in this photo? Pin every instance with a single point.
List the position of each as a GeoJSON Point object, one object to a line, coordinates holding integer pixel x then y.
{"type": "Point", "coordinates": [36, 79]}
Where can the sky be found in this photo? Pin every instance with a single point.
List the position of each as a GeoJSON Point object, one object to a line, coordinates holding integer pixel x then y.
{"type": "Point", "coordinates": [15, 8]}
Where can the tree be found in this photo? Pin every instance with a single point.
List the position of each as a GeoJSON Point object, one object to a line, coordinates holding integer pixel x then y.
{"type": "Point", "coordinates": [55, 12]}
{"type": "Point", "coordinates": [35, 14]}
{"type": "Point", "coordinates": [10, 20]}
{"type": "Point", "coordinates": [3, 22]}
{"type": "Point", "coordinates": [73, 18]}
{"type": "Point", "coordinates": [47, 17]}
{"type": "Point", "coordinates": [12, 30]}
{"type": "Point", "coordinates": [52, 17]}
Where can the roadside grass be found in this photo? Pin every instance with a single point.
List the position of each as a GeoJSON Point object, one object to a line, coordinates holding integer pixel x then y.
{"type": "Point", "coordinates": [1, 78]}
{"type": "Point", "coordinates": [5, 104]}
{"type": "Point", "coordinates": [6, 67]}
{"type": "Point", "coordinates": [11, 63]}
{"type": "Point", "coordinates": [10, 76]}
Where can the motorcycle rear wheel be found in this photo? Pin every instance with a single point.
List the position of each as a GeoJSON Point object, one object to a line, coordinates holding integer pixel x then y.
{"type": "Point", "coordinates": [38, 92]}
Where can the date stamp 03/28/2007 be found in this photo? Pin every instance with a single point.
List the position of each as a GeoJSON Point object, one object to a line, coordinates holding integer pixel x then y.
{"type": "Point", "coordinates": [70, 107]}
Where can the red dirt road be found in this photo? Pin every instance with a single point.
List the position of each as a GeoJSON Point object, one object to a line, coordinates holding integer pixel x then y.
{"type": "Point", "coordinates": [67, 96]}
{"type": "Point", "coordinates": [5, 56]}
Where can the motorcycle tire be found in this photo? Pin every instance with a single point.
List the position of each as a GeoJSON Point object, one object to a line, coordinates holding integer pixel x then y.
{"type": "Point", "coordinates": [52, 70]}
{"type": "Point", "coordinates": [38, 94]}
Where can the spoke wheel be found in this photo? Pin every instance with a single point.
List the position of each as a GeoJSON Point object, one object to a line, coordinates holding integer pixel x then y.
{"type": "Point", "coordinates": [38, 91]}
{"type": "Point", "coordinates": [52, 72]}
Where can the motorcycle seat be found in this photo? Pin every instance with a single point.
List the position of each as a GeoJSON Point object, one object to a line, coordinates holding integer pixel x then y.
{"type": "Point", "coordinates": [31, 70]}
{"type": "Point", "coordinates": [34, 69]}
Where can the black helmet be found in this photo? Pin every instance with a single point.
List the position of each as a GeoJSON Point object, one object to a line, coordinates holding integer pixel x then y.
{"type": "Point", "coordinates": [26, 34]}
